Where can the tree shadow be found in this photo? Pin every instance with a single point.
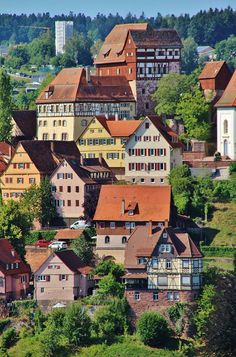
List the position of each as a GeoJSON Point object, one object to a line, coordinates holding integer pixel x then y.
{"type": "Point", "coordinates": [209, 235]}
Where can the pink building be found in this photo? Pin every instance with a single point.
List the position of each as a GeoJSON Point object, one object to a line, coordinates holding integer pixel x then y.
{"type": "Point", "coordinates": [14, 273]}
{"type": "Point", "coordinates": [62, 277]}
{"type": "Point", "coordinates": [73, 180]}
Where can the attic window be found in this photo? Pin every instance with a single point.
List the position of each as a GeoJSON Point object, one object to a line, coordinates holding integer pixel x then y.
{"type": "Point", "coordinates": [142, 260]}
{"type": "Point", "coordinates": [164, 235]}
{"type": "Point", "coordinates": [131, 212]}
{"type": "Point", "coordinates": [107, 54]}
{"type": "Point", "coordinates": [165, 248]}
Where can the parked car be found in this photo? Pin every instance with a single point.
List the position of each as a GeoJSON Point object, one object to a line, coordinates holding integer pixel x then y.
{"type": "Point", "coordinates": [42, 243]}
{"type": "Point", "coordinates": [58, 245]}
{"type": "Point", "coordinates": [80, 224]}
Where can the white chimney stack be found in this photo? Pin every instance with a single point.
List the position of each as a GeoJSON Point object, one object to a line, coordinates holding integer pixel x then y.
{"type": "Point", "coordinates": [123, 206]}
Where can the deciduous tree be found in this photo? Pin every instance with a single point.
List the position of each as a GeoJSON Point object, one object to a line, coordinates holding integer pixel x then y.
{"type": "Point", "coordinates": [5, 106]}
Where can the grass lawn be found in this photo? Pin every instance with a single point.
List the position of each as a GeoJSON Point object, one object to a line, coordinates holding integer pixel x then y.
{"type": "Point", "coordinates": [130, 347]}
{"type": "Point", "coordinates": [218, 262]}
{"type": "Point", "coordinates": [221, 228]}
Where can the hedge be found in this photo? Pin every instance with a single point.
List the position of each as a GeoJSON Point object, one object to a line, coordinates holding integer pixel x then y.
{"type": "Point", "coordinates": [33, 236]}
{"type": "Point", "coordinates": [3, 324]}
{"type": "Point", "coordinates": [211, 251]}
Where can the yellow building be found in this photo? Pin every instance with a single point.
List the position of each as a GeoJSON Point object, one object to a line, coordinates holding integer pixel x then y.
{"type": "Point", "coordinates": [67, 105]}
{"type": "Point", "coordinates": [107, 138]}
{"type": "Point", "coordinates": [32, 161]}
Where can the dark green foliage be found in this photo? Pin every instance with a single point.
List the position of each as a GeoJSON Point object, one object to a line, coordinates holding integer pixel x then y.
{"type": "Point", "coordinates": [3, 324]}
{"type": "Point", "coordinates": [109, 286]}
{"type": "Point", "coordinates": [5, 106]}
{"type": "Point", "coordinates": [82, 246]}
{"type": "Point", "coordinates": [33, 236]}
{"type": "Point", "coordinates": [153, 329]}
{"type": "Point", "coordinates": [111, 320]}
{"type": "Point", "coordinates": [225, 50]}
{"type": "Point", "coordinates": [8, 338]}
{"type": "Point", "coordinates": [204, 310]}
{"type": "Point", "coordinates": [220, 331]}
{"type": "Point", "coordinates": [176, 315]}
{"type": "Point", "coordinates": [37, 201]}
{"type": "Point", "coordinates": [22, 307]}
{"type": "Point", "coordinates": [189, 55]}
{"type": "Point", "coordinates": [213, 251]}
{"type": "Point", "coordinates": [109, 266]}
{"type": "Point", "coordinates": [232, 167]}
{"type": "Point", "coordinates": [77, 325]}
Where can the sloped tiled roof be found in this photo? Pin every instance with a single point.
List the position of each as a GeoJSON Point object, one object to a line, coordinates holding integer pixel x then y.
{"type": "Point", "coordinates": [47, 154]}
{"type": "Point", "coordinates": [8, 255]}
{"type": "Point", "coordinates": [141, 243]}
{"type": "Point", "coordinates": [211, 69]}
{"type": "Point", "coordinates": [26, 122]}
{"type": "Point", "coordinates": [115, 41]}
{"type": "Point", "coordinates": [68, 234]}
{"type": "Point", "coordinates": [166, 131]}
{"type": "Point", "coordinates": [153, 203]}
{"type": "Point", "coordinates": [71, 260]}
{"type": "Point", "coordinates": [228, 98]}
{"type": "Point", "coordinates": [71, 85]}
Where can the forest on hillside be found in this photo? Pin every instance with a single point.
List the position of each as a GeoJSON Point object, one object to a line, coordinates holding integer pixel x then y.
{"type": "Point", "coordinates": [206, 27]}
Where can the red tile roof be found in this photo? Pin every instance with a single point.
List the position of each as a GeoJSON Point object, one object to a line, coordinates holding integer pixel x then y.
{"type": "Point", "coordinates": [6, 149]}
{"type": "Point", "coordinates": [68, 234]}
{"type": "Point", "coordinates": [153, 203]}
{"type": "Point", "coordinates": [72, 261]}
{"type": "Point", "coordinates": [211, 69]}
{"type": "Point", "coordinates": [228, 98]}
{"type": "Point", "coordinates": [141, 244]}
{"type": "Point", "coordinates": [143, 36]}
{"type": "Point", "coordinates": [8, 255]}
{"type": "Point", "coordinates": [70, 85]}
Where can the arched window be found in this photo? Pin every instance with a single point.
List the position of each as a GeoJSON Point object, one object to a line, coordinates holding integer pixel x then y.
{"type": "Point", "coordinates": [107, 240]}
{"type": "Point", "coordinates": [64, 123]}
{"type": "Point", "coordinates": [124, 240]}
{"type": "Point", "coordinates": [225, 126]}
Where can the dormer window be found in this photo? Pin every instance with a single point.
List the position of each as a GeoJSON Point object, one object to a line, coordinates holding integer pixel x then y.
{"type": "Point", "coordinates": [7, 266]}
{"type": "Point", "coordinates": [131, 212]}
{"type": "Point", "coordinates": [165, 235]}
{"type": "Point", "coordinates": [142, 260]}
{"type": "Point", "coordinates": [165, 248]}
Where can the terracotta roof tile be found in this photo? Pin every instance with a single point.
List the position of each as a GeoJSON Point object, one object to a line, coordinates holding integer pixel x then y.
{"type": "Point", "coordinates": [71, 260]}
{"type": "Point", "coordinates": [228, 98]}
{"type": "Point", "coordinates": [68, 234]}
{"type": "Point", "coordinates": [147, 197]}
{"type": "Point", "coordinates": [143, 36]}
{"type": "Point", "coordinates": [211, 69]}
{"type": "Point", "coordinates": [140, 243]}
{"type": "Point", "coordinates": [70, 85]}
{"type": "Point", "coordinates": [119, 128]}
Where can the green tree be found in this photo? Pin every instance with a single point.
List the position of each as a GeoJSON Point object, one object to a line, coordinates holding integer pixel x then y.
{"type": "Point", "coordinates": [83, 248]}
{"type": "Point", "coordinates": [5, 106]}
{"type": "Point", "coordinates": [109, 286]}
{"type": "Point", "coordinates": [204, 310]}
{"type": "Point", "coordinates": [226, 50]}
{"type": "Point", "coordinates": [194, 110]}
{"type": "Point", "coordinates": [106, 267]}
{"type": "Point", "coordinates": [189, 55]}
{"type": "Point", "coordinates": [77, 325]}
{"type": "Point", "coordinates": [111, 320]}
{"type": "Point", "coordinates": [181, 182]}
{"type": "Point", "coordinates": [95, 48]}
{"type": "Point", "coordinates": [38, 202]}
{"type": "Point", "coordinates": [220, 331]}
{"type": "Point", "coordinates": [203, 196]}
{"type": "Point", "coordinates": [153, 329]}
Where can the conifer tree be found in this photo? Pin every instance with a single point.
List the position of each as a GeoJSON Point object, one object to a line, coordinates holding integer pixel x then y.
{"type": "Point", "coordinates": [5, 106]}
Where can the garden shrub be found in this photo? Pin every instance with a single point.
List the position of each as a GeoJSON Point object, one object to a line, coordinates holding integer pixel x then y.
{"type": "Point", "coordinates": [3, 324]}
{"type": "Point", "coordinates": [8, 338]}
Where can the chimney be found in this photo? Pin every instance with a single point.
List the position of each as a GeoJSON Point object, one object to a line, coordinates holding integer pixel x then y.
{"type": "Point", "coordinates": [100, 158]}
{"type": "Point", "coordinates": [81, 160]}
{"type": "Point", "coordinates": [166, 223]}
{"type": "Point", "coordinates": [123, 206]}
{"type": "Point", "coordinates": [116, 116]}
{"type": "Point", "coordinates": [87, 71]}
{"type": "Point", "coordinates": [106, 116]}
{"type": "Point", "coordinates": [150, 228]}
{"type": "Point", "coordinates": [13, 252]}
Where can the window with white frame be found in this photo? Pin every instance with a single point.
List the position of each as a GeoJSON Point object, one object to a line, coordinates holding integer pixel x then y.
{"type": "Point", "coordinates": [142, 260]}
{"type": "Point", "coordinates": [112, 225]}
{"type": "Point", "coordinates": [169, 295]}
{"type": "Point", "coordinates": [165, 248]}
{"type": "Point", "coordinates": [162, 280]}
{"type": "Point", "coordinates": [196, 280]}
{"type": "Point", "coordinates": [185, 263]}
{"type": "Point", "coordinates": [176, 296]}
{"type": "Point", "coordinates": [196, 263]}
{"type": "Point", "coordinates": [168, 264]}
{"type": "Point", "coordinates": [155, 296]}
{"type": "Point", "coordinates": [137, 295]}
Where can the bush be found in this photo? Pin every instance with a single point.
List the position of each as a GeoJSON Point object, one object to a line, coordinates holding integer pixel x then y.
{"type": "Point", "coordinates": [153, 329]}
{"type": "Point", "coordinates": [3, 324]}
{"type": "Point", "coordinates": [9, 337]}
{"type": "Point", "coordinates": [33, 236]}
{"type": "Point", "coordinates": [77, 325]}
{"type": "Point", "coordinates": [23, 308]}
{"type": "Point", "coordinates": [211, 251]}
{"type": "Point", "coordinates": [232, 167]}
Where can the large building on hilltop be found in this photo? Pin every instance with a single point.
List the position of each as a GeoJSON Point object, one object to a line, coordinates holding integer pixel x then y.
{"type": "Point", "coordinates": [143, 55]}
{"type": "Point", "coordinates": [67, 105]}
